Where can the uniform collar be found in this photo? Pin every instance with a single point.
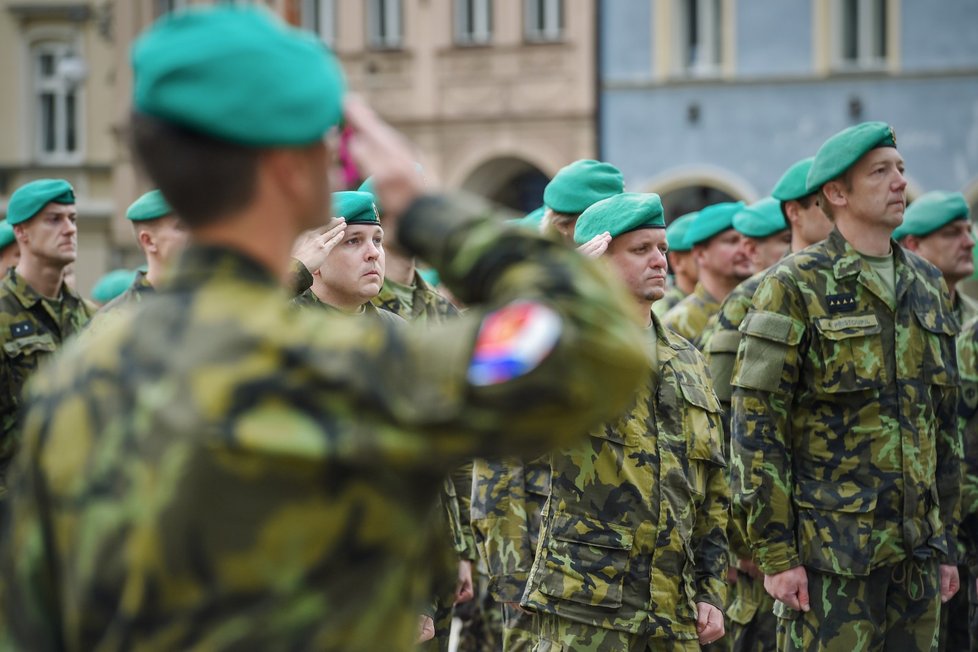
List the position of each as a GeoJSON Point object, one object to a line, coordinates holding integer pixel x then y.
{"type": "Point", "coordinates": [850, 263]}
{"type": "Point", "coordinates": [667, 342]}
{"type": "Point", "coordinates": [28, 296]}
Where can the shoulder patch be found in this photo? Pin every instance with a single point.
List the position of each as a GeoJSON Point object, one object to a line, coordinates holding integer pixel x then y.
{"type": "Point", "coordinates": [512, 341]}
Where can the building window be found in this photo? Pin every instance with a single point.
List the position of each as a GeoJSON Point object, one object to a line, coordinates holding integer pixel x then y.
{"type": "Point", "coordinates": [473, 22]}
{"type": "Point", "coordinates": [384, 25]}
{"type": "Point", "coordinates": [543, 20]}
{"type": "Point", "coordinates": [57, 74]}
{"type": "Point", "coordinates": [319, 17]}
{"type": "Point", "coordinates": [699, 42]}
{"type": "Point", "coordinates": [860, 29]}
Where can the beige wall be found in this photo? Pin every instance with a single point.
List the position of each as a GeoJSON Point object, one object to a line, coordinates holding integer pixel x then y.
{"type": "Point", "coordinates": [477, 114]}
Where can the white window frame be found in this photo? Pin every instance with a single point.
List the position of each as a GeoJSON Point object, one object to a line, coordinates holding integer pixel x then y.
{"type": "Point", "coordinates": [871, 54]}
{"type": "Point", "coordinates": [385, 24]}
{"type": "Point", "coordinates": [319, 17]}
{"type": "Point", "coordinates": [708, 61]}
{"type": "Point", "coordinates": [473, 22]}
{"type": "Point", "coordinates": [551, 30]}
{"type": "Point", "coordinates": [61, 86]}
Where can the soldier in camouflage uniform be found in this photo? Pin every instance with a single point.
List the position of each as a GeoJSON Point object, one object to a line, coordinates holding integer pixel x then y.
{"type": "Point", "coordinates": [38, 311]}
{"type": "Point", "coordinates": [353, 272]}
{"type": "Point", "coordinates": [633, 549]}
{"type": "Point", "coordinates": [9, 251]}
{"type": "Point", "coordinates": [161, 235]}
{"type": "Point", "coordinates": [722, 263]}
{"type": "Point", "coordinates": [216, 470]}
{"type": "Point", "coordinates": [750, 618]}
{"type": "Point", "coordinates": [936, 226]}
{"type": "Point", "coordinates": [508, 495]}
{"type": "Point", "coordinates": [846, 448]}
{"type": "Point", "coordinates": [682, 265]}
{"type": "Point", "coordinates": [967, 347]}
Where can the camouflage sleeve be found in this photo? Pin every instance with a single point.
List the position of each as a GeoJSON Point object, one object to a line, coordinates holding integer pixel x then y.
{"type": "Point", "coordinates": [500, 525]}
{"type": "Point", "coordinates": [300, 278]}
{"type": "Point", "coordinates": [418, 379]}
{"type": "Point", "coordinates": [767, 369]}
{"type": "Point", "coordinates": [967, 346]}
{"type": "Point", "coordinates": [462, 479]}
{"type": "Point", "coordinates": [710, 539]}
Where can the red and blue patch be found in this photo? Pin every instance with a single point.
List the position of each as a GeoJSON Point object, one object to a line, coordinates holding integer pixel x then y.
{"type": "Point", "coordinates": [512, 341]}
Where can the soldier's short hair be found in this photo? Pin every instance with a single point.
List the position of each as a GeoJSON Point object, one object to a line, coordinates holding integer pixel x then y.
{"type": "Point", "coordinates": [203, 178]}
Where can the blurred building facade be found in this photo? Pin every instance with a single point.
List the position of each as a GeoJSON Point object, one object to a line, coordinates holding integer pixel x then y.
{"type": "Point", "coordinates": [703, 100]}
{"type": "Point", "coordinates": [496, 94]}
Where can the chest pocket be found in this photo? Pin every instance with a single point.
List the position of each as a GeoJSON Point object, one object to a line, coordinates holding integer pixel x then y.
{"type": "Point", "coordinates": [850, 353]}
{"type": "Point", "coordinates": [586, 560]}
{"type": "Point", "coordinates": [935, 349]}
{"type": "Point", "coordinates": [704, 432]}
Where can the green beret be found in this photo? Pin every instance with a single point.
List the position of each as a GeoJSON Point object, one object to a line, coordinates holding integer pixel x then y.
{"type": "Point", "coordinates": [32, 197]}
{"type": "Point", "coordinates": [711, 221]}
{"type": "Point", "coordinates": [430, 276]}
{"type": "Point", "coordinates": [112, 285]}
{"type": "Point", "coordinates": [676, 232]}
{"type": "Point", "coordinates": [532, 220]}
{"type": "Point", "coordinates": [838, 153]}
{"type": "Point", "coordinates": [357, 207]}
{"type": "Point", "coordinates": [580, 184]}
{"type": "Point", "coordinates": [761, 219]}
{"type": "Point", "coordinates": [930, 212]}
{"type": "Point", "coordinates": [150, 206]}
{"type": "Point", "coordinates": [621, 213]}
{"type": "Point", "coordinates": [238, 74]}
{"type": "Point", "coordinates": [793, 184]}
{"type": "Point", "coordinates": [7, 235]}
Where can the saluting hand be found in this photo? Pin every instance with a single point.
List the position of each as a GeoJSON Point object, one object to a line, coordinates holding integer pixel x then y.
{"type": "Point", "coordinates": [312, 247]}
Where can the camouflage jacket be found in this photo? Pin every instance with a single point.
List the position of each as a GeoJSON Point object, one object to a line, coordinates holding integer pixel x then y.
{"type": "Point", "coordinates": [135, 293]}
{"type": "Point", "coordinates": [965, 308]}
{"type": "Point", "coordinates": [508, 497]}
{"type": "Point", "coordinates": [967, 345]}
{"type": "Point", "coordinates": [690, 316]}
{"type": "Point", "coordinates": [31, 328]}
{"type": "Point", "coordinates": [218, 470]}
{"type": "Point", "coordinates": [634, 533]}
{"type": "Point", "coordinates": [846, 448]}
{"type": "Point", "coordinates": [672, 298]}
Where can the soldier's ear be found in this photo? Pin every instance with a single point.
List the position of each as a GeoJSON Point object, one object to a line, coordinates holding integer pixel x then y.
{"type": "Point", "coordinates": [835, 193]}
{"type": "Point", "coordinates": [21, 234]}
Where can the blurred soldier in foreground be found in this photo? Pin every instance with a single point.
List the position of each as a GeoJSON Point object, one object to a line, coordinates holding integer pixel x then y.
{"type": "Point", "coordinates": [846, 447]}
{"type": "Point", "coordinates": [633, 550]}
{"type": "Point", "coordinates": [682, 265]}
{"type": "Point", "coordinates": [722, 264]}
{"type": "Point", "coordinates": [952, 636]}
{"type": "Point", "coordinates": [38, 310]}
{"type": "Point", "coordinates": [217, 470]}
{"type": "Point", "coordinates": [749, 612]}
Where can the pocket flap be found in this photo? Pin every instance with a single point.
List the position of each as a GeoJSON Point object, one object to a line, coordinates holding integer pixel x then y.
{"type": "Point", "coordinates": [700, 396]}
{"type": "Point", "coordinates": [772, 326]}
{"type": "Point", "coordinates": [834, 497]}
{"type": "Point", "coordinates": [935, 322]}
{"type": "Point", "coordinates": [30, 344]}
{"type": "Point", "coordinates": [592, 532]}
{"type": "Point", "coordinates": [841, 328]}
{"type": "Point", "coordinates": [724, 342]}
